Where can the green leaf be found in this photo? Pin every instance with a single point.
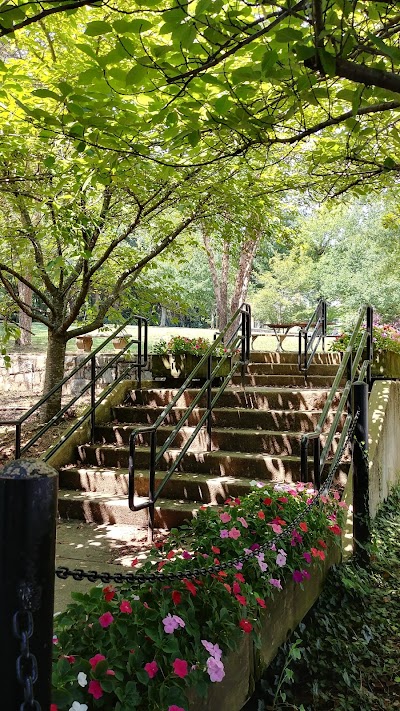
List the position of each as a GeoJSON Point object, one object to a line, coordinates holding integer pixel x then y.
{"type": "Point", "coordinates": [46, 94]}
{"type": "Point", "coordinates": [194, 138]}
{"type": "Point", "coordinates": [98, 27]}
{"type": "Point", "coordinates": [288, 34]}
{"type": "Point", "coordinates": [328, 62]}
{"type": "Point", "coordinates": [269, 59]}
{"type": "Point", "coordinates": [132, 26]}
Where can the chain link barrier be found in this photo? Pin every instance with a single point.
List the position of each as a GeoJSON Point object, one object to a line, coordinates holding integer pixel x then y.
{"type": "Point", "coordinates": [26, 663]}
{"type": "Point", "coordinates": [135, 579]}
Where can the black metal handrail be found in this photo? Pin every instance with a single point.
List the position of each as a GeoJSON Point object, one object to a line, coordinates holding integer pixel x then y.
{"type": "Point", "coordinates": [239, 338]}
{"type": "Point", "coordinates": [142, 354]}
{"type": "Point", "coordinates": [356, 362]}
{"type": "Point", "coordinates": [311, 336]}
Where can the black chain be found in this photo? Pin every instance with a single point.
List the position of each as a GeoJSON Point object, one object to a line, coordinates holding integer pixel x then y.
{"type": "Point", "coordinates": [135, 579]}
{"type": "Point", "coordinates": [26, 664]}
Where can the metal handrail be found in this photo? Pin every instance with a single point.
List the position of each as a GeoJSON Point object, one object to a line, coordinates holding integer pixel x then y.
{"type": "Point", "coordinates": [142, 343]}
{"type": "Point", "coordinates": [358, 368]}
{"type": "Point", "coordinates": [243, 313]}
{"type": "Point", "coordinates": [308, 344]}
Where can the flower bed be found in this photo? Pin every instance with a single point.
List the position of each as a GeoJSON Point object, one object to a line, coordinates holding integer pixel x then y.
{"type": "Point", "coordinates": [155, 646]}
{"type": "Point", "coordinates": [179, 356]}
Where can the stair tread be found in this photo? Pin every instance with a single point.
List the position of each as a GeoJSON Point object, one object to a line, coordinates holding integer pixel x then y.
{"type": "Point", "coordinates": [122, 499]}
{"type": "Point", "coordinates": [195, 476]}
{"type": "Point", "coordinates": [212, 453]}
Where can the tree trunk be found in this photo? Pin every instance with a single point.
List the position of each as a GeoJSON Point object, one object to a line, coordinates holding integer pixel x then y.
{"type": "Point", "coordinates": [55, 357]}
{"type": "Point", "coordinates": [25, 321]}
{"type": "Point", "coordinates": [163, 317]}
{"type": "Point", "coordinates": [219, 281]}
{"type": "Point", "coordinates": [248, 252]}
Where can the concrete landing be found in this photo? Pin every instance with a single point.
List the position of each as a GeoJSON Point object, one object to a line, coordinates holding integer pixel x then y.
{"type": "Point", "coordinates": [100, 547]}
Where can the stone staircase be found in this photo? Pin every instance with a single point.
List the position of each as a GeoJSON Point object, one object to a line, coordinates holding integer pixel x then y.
{"type": "Point", "coordinates": [257, 428]}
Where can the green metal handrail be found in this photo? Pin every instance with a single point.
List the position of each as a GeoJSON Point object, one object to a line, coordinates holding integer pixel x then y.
{"type": "Point", "coordinates": [358, 368]}
{"type": "Point", "coordinates": [142, 343]}
{"type": "Point", "coordinates": [243, 313]}
{"type": "Point", "coordinates": [308, 343]}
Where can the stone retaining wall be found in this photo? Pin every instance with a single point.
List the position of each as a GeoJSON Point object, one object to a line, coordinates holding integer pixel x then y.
{"type": "Point", "coordinates": [27, 373]}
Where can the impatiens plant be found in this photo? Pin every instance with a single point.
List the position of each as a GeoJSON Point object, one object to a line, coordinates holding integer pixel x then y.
{"type": "Point", "coordinates": [142, 647]}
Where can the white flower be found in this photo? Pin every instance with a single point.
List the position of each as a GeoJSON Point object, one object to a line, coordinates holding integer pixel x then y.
{"type": "Point", "coordinates": [82, 679]}
{"type": "Point", "coordinates": [76, 706]}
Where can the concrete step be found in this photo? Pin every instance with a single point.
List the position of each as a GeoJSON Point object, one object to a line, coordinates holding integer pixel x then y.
{"type": "Point", "coordinates": [292, 357]}
{"type": "Point", "coordinates": [286, 381]}
{"type": "Point", "coordinates": [202, 488]}
{"type": "Point", "coordinates": [242, 440]}
{"type": "Point", "coordinates": [271, 368]}
{"type": "Point", "coordinates": [261, 398]}
{"type": "Point", "coordinates": [301, 421]}
{"type": "Point", "coordinates": [93, 507]}
{"type": "Point", "coordinates": [217, 463]}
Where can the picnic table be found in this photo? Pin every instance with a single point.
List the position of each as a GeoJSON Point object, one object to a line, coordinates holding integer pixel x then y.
{"type": "Point", "coordinates": [279, 330]}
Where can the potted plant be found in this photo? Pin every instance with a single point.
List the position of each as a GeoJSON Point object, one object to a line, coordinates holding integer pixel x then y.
{"type": "Point", "coordinates": [120, 341]}
{"type": "Point", "coordinates": [178, 357]}
{"type": "Point", "coordinates": [84, 342]}
{"type": "Point", "coordinates": [386, 350]}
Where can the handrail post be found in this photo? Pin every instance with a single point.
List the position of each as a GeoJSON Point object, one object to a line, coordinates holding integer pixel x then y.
{"type": "Point", "coordinates": [152, 474]}
{"type": "Point", "coordinates": [18, 440]}
{"type": "Point", "coordinates": [324, 323]}
{"type": "Point", "coordinates": [361, 519]}
{"type": "Point", "coordinates": [248, 331]}
{"type": "Point", "coordinates": [370, 341]}
{"type": "Point", "coordinates": [304, 459]}
{"type": "Point", "coordinates": [92, 397]}
{"type": "Point", "coordinates": [317, 462]}
{"type": "Point", "coordinates": [209, 402]}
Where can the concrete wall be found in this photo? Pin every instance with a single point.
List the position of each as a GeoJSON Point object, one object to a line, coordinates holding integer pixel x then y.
{"type": "Point", "coordinates": [384, 441]}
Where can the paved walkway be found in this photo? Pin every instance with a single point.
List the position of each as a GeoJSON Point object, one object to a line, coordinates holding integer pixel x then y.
{"type": "Point", "coordinates": [100, 547]}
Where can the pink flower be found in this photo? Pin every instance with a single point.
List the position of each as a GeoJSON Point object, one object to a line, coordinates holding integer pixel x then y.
{"type": "Point", "coordinates": [225, 517]}
{"type": "Point", "coordinates": [106, 620]}
{"type": "Point", "coordinates": [96, 659]}
{"type": "Point", "coordinates": [212, 649]}
{"type": "Point", "coordinates": [151, 668]}
{"type": "Point", "coordinates": [95, 689]}
{"type": "Point", "coordinates": [126, 607]}
{"type": "Point", "coordinates": [224, 533]}
{"type": "Point", "coordinates": [307, 557]}
{"type": "Point", "coordinates": [241, 599]}
{"type": "Point", "coordinates": [275, 582]}
{"type": "Point", "coordinates": [281, 558]}
{"type": "Point", "coordinates": [180, 668]}
{"type": "Point", "coordinates": [238, 566]}
{"type": "Point", "coordinates": [276, 527]}
{"type": "Point", "coordinates": [172, 622]}
{"type": "Point", "coordinates": [261, 602]}
{"type": "Point", "coordinates": [243, 522]}
{"type": "Point", "coordinates": [215, 669]}
{"type": "Point", "coordinates": [260, 560]}
{"type": "Point", "coordinates": [175, 708]}
{"type": "Point", "coordinates": [234, 533]}
{"type": "Point", "coordinates": [297, 576]}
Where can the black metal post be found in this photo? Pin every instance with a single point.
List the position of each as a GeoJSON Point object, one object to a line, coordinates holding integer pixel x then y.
{"type": "Point", "coordinates": [317, 462]}
{"type": "Point", "coordinates": [370, 340]}
{"type": "Point", "coordinates": [92, 397]}
{"type": "Point", "coordinates": [152, 476]}
{"type": "Point", "coordinates": [209, 400]}
{"type": "Point", "coordinates": [361, 517]}
{"type": "Point", "coordinates": [304, 459]}
{"type": "Point", "coordinates": [139, 359]}
{"type": "Point", "coordinates": [28, 508]}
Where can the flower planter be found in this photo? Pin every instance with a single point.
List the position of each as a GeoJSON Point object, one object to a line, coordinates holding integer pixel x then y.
{"type": "Point", "coordinates": [120, 342]}
{"type": "Point", "coordinates": [84, 343]}
{"type": "Point", "coordinates": [386, 364]}
{"type": "Point", "coordinates": [180, 366]}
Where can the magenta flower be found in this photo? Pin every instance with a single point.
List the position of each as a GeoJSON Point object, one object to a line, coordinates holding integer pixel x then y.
{"type": "Point", "coordinates": [172, 622]}
{"type": "Point", "coordinates": [234, 533]}
{"type": "Point", "coordinates": [306, 574]}
{"type": "Point", "coordinates": [225, 517]}
{"type": "Point", "coordinates": [275, 582]}
{"type": "Point", "coordinates": [95, 689]}
{"type": "Point", "coordinates": [106, 620]}
{"type": "Point", "coordinates": [224, 533]}
{"type": "Point", "coordinates": [186, 555]}
{"type": "Point", "coordinates": [151, 668]}
{"type": "Point", "coordinates": [307, 557]}
{"type": "Point", "coordinates": [126, 607]}
{"type": "Point", "coordinates": [96, 659]}
{"type": "Point", "coordinates": [297, 576]}
{"type": "Point", "coordinates": [174, 707]}
{"type": "Point", "coordinates": [212, 649]}
{"type": "Point", "coordinates": [215, 669]}
{"type": "Point", "coordinates": [180, 668]}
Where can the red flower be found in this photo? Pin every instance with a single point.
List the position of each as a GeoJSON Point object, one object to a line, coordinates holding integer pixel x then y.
{"type": "Point", "coordinates": [96, 659]}
{"type": "Point", "coordinates": [335, 529]}
{"type": "Point", "coordinates": [126, 607]}
{"type": "Point", "coordinates": [70, 658]}
{"type": "Point", "coordinates": [95, 689]}
{"type": "Point", "coordinates": [176, 597]}
{"type": "Point", "coordinates": [180, 668]}
{"type": "Point", "coordinates": [134, 562]}
{"type": "Point", "coordinates": [261, 515]}
{"type": "Point", "coordinates": [246, 626]}
{"type": "Point", "coordinates": [240, 577]}
{"type": "Point", "coordinates": [170, 554]}
{"type": "Point", "coordinates": [241, 599]}
{"type": "Point", "coordinates": [236, 588]}
{"type": "Point", "coordinates": [228, 587]}
{"type": "Point", "coordinates": [158, 545]}
{"type": "Point", "coordinates": [53, 707]}
{"type": "Point", "coordinates": [303, 526]}
{"type": "Point", "coordinates": [322, 543]}
{"type": "Point", "coordinates": [109, 593]}
{"type": "Point", "coordinates": [222, 574]}
{"type": "Point", "coordinates": [267, 501]}
{"type": "Point", "coordinates": [151, 668]}
{"type": "Point", "coordinates": [261, 602]}
{"type": "Point", "coordinates": [189, 586]}
{"type": "Point", "coordinates": [215, 549]}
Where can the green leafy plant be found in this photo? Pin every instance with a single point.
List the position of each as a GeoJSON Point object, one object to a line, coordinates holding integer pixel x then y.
{"type": "Point", "coordinates": [141, 648]}
{"type": "Point", "coordinates": [180, 345]}
{"type": "Point", "coordinates": [385, 338]}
